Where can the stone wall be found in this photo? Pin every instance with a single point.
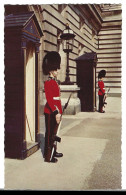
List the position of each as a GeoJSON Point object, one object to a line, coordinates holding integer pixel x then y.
{"type": "Point", "coordinates": [96, 28]}
{"type": "Point", "coordinates": [53, 20]}
{"type": "Point", "coordinates": [109, 52]}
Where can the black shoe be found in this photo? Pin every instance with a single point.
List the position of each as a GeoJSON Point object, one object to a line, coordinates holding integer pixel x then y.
{"type": "Point", "coordinates": [54, 160]}
{"type": "Point", "coordinates": [102, 111]}
{"type": "Point", "coordinates": [105, 102]}
{"type": "Point", "coordinates": [56, 154]}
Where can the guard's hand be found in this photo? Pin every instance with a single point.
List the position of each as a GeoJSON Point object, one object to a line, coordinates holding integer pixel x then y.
{"type": "Point", "coordinates": [58, 118]}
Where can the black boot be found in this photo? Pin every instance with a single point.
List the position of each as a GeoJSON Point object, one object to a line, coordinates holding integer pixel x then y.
{"type": "Point", "coordinates": [54, 160]}
{"type": "Point", "coordinates": [56, 154]}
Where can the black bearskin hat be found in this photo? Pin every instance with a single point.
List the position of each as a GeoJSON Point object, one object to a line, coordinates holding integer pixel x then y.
{"type": "Point", "coordinates": [51, 61]}
{"type": "Point", "coordinates": [101, 74]}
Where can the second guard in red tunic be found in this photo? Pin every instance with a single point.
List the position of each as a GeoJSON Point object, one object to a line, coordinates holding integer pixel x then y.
{"type": "Point", "coordinates": [101, 91]}
{"type": "Point", "coordinates": [53, 108]}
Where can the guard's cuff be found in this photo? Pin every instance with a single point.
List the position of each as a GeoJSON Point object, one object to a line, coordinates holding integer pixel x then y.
{"type": "Point", "coordinates": [55, 112]}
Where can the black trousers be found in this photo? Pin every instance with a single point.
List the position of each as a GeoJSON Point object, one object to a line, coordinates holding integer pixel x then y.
{"type": "Point", "coordinates": [51, 130]}
{"type": "Point", "coordinates": [101, 103]}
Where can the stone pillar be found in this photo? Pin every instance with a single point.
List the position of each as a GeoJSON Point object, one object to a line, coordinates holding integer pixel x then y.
{"type": "Point", "coordinates": [74, 105]}
{"type": "Point", "coordinates": [23, 47]}
{"type": "Point", "coordinates": [37, 98]}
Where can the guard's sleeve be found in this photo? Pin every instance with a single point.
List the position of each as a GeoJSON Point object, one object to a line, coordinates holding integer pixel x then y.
{"type": "Point", "coordinates": [101, 87]}
{"type": "Point", "coordinates": [49, 96]}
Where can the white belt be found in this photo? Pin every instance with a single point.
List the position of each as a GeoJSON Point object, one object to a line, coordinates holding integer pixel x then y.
{"type": "Point", "coordinates": [56, 98]}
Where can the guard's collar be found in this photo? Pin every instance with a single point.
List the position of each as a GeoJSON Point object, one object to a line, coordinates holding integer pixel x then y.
{"type": "Point", "coordinates": [53, 78]}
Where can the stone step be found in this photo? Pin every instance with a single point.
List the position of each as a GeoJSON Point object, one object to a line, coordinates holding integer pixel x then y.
{"type": "Point", "coordinates": [110, 41]}
{"type": "Point", "coordinates": [115, 74]}
{"type": "Point", "coordinates": [107, 60]}
{"type": "Point", "coordinates": [108, 64]}
{"type": "Point", "coordinates": [116, 80]}
{"type": "Point", "coordinates": [109, 36]}
{"type": "Point", "coordinates": [112, 18]}
{"type": "Point", "coordinates": [109, 69]}
{"type": "Point", "coordinates": [109, 50]}
{"type": "Point", "coordinates": [112, 23]}
{"type": "Point", "coordinates": [110, 46]}
{"type": "Point", "coordinates": [108, 32]}
{"type": "Point", "coordinates": [117, 55]}
{"type": "Point", "coordinates": [113, 85]}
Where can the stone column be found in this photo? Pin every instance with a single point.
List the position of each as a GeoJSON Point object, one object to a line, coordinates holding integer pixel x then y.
{"type": "Point", "coordinates": [74, 105]}
{"type": "Point", "coordinates": [23, 47]}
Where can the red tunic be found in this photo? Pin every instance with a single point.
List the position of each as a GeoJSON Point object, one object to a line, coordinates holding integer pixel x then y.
{"type": "Point", "coordinates": [52, 93]}
{"type": "Point", "coordinates": [101, 87]}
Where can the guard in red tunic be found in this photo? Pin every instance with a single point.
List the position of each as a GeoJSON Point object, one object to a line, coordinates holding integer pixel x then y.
{"type": "Point", "coordinates": [53, 108]}
{"type": "Point", "coordinates": [101, 91]}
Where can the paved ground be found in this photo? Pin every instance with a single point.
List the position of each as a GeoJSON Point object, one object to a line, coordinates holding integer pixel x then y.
{"type": "Point", "coordinates": [91, 144]}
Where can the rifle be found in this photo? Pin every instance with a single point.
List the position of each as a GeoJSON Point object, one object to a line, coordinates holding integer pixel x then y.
{"type": "Point", "coordinates": [105, 97]}
{"type": "Point", "coordinates": [58, 127]}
